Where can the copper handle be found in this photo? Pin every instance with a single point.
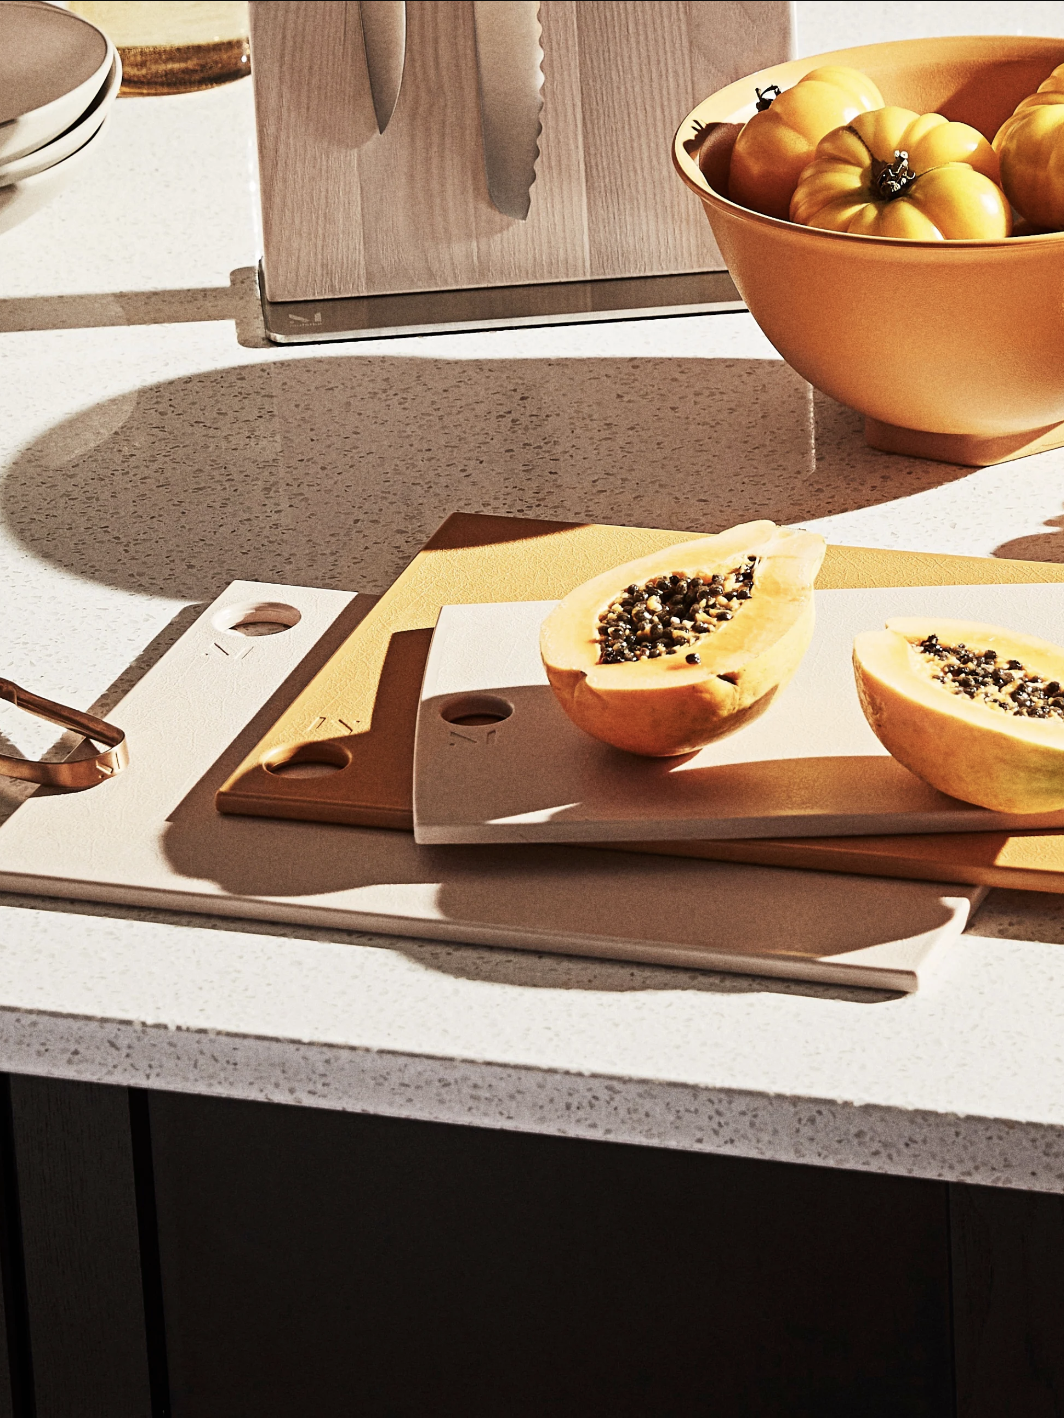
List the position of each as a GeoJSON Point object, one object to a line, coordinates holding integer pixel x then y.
{"type": "Point", "coordinates": [82, 772]}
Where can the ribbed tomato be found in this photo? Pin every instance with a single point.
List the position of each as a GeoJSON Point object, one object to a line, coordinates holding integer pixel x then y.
{"type": "Point", "coordinates": [775, 145]}
{"type": "Point", "coordinates": [898, 173]}
{"type": "Point", "coordinates": [1030, 146]}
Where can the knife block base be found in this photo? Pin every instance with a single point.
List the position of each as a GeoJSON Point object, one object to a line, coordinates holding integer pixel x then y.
{"type": "Point", "coordinates": [971, 450]}
{"type": "Point", "coordinates": [373, 317]}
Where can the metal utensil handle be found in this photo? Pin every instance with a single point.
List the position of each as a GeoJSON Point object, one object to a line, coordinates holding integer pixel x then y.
{"type": "Point", "coordinates": [80, 773]}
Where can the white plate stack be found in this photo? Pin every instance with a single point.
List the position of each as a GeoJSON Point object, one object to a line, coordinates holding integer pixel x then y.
{"type": "Point", "coordinates": [59, 76]}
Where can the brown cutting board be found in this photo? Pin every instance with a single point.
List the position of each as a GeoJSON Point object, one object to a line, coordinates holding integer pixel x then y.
{"type": "Point", "coordinates": [361, 708]}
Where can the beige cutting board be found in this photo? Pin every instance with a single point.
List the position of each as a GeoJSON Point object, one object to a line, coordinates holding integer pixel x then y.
{"type": "Point", "coordinates": [150, 837]}
{"type": "Point", "coordinates": [362, 706]}
{"type": "Point", "coordinates": [809, 765]}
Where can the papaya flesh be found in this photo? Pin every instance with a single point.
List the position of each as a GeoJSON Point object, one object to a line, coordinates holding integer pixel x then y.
{"type": "Point", "coordinates": [664, 654]}
{"type": "Point", "coordinates": [975, 710]}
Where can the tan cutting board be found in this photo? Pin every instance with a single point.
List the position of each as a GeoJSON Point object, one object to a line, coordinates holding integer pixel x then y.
{"type": "Point", "coordinates": [361, 708]}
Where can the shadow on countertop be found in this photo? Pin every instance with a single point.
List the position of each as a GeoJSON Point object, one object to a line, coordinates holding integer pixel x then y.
{"type": "Point", "coordinates": [1040, 546]}
{"type": "Point", "coordinates": [333, 470]}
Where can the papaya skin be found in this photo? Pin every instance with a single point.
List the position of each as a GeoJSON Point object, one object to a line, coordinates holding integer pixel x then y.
{"type": "Point", "coordinates": [959, 746]}
{"type": "Point", "coordinates": [665, 707]}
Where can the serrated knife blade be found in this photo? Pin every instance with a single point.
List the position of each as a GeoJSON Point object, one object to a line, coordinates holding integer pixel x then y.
{"type": "Point", "coordinates": [384, 37]}
{"type": "Point", "coordinates": [509, 68]}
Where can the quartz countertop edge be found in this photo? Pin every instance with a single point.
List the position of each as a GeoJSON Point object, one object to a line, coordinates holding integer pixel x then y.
{"type": "Point", "coordinates": [646, 1112]}
{"type": "Point", "coordinates": [557, 1045]}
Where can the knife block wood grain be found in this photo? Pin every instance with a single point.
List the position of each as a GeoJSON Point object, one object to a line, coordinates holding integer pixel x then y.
{"type": "Point", "coordinates": [364, 701]}
{"type": "Point", "coordinates": [348, 211]}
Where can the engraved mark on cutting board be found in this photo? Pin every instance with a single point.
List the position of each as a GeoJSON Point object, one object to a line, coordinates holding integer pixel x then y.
{"type": "Point", "coordinates": [234, 655]}
{"type": "Point", "coordinates": [320, 722]}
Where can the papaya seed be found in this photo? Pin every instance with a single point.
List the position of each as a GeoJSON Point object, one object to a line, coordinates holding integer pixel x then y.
{"type": "Point", "coordinates": [977, 675]}
{"type": "Point", "coordinates": [669, 612]}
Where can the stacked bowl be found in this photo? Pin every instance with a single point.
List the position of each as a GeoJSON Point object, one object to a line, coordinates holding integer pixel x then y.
{"type": "Point", "coordinates": [59, 76]}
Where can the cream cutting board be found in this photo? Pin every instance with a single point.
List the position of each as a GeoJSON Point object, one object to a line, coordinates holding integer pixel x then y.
{"type": "Point", "coordinates": [151, 837]}
{"type": "Point", "coordinates": [809, 767]}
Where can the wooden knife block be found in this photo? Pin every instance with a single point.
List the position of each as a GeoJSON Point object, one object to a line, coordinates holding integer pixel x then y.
{"type": "Point", "coordinates": [349, 211]}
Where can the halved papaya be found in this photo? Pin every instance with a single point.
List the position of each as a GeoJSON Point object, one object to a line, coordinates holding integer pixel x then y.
{"type": "Point", "coordinates": [667, 653]}
{"type": "Point", "coordinates": [975, 710]}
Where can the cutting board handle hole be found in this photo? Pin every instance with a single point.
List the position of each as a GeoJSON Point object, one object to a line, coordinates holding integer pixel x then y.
{"type": "Point", "coordinates": [257, 618]}
{"type": "Point", "coordinates": [476, 710]}
{"type": "Point", "coordinates": [307, 760]}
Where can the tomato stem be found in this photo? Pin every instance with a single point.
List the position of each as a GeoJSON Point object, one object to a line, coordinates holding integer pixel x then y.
{"type": "Point", "coordinates": [891, 179]}
{"type": "Point", "coordinates": [766, 96]}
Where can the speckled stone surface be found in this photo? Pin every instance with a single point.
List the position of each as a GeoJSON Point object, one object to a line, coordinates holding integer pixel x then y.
{"type": "Point", "coordinates": [834, 24]}
{"type": "Point", "coordinates": [963, 1081]}
{"type": "Point", "coordinates": [152, 448]}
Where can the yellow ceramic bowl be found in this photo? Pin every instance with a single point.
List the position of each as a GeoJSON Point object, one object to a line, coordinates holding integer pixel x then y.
{"type": "Point", "coordinates": [951, 350]}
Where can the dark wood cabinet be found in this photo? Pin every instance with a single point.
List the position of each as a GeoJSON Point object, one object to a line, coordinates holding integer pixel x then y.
{"type": "Point", "coordinates": [342, 1264]}
{"type": "Point", "coordinates": [215, 1259]}
{"type": "Point", "coordinates": [1008, 1267]}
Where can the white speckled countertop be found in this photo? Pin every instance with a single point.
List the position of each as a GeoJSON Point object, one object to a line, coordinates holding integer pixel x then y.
{"type": "Point", "coordinates": [152, 448]}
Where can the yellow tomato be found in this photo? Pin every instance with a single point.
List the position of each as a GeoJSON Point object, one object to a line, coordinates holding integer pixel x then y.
{"type": "Point", "coordinates": [904, 174]}
{"type": "Point", "coordinates": [775, 145]}
{"type": "Point", "coordinates": [1030, 145]}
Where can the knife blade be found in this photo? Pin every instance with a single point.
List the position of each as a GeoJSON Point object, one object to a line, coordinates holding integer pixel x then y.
{"type": "Point", "coordinates": [509, 68]}
{"type": "Point", "coordinates": [384, 37]}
